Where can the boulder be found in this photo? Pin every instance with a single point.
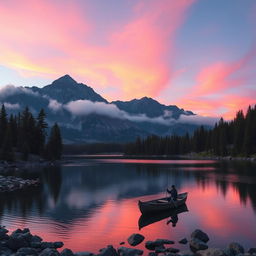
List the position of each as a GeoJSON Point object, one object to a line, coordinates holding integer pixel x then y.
{"type": "Point", "coordinates": [160, 249]}
{"type": "Point", "coordinates": [135, 239]}
{"type": "Point", "coordinates": [211, 252]}
{"type": "Point", "coordinates": [152, 254]}
{"type": "Point", "coordinates": [26, 251]}
{"type": "Point", "coordinates": [252, 250]}
{"type": "Point", "coordinates": [183, 241]}
{"type": "Point", "coordinates": [67, 252]}
{"type": "Point", "coordinates": [3, 233]}
{"type": "Point", "coordinates": [235, 248]}
{"type": "Point", "coordinates": [151, 245]}
{"type": "Point", "coordinates": [124, 251]}
{"type": "Point", "coordinates": [199, 234]}
{"type": "Point", "coordinates": [108, 251]}
{"type": "Point", "coordinates": [49, 252]}
{"type": "Point", "coordinates": [196, 245]}
{"type": "Point", "coordinates": [172, 250]}
{"type": "Point", "coordinates": [17, 241]}
{"type": "Point", "coordinates": [84, 254]}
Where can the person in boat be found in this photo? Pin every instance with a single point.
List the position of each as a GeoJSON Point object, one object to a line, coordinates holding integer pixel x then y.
{"type": "Point", "coordinates": [173, 192]}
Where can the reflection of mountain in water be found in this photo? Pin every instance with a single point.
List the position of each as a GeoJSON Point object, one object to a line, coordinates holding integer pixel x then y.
{"type": "Point", "coordinates": [73, 192]}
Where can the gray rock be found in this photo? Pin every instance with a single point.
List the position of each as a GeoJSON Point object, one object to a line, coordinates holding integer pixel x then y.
{"type": "Point", "coordinates": [3, 233]}
{"type": "Point", "coordinates": [36, 239]}
{"type": "Point", "coordinates": [135, 239]}
{"type": "Point", "coordinates": [211, 252]}
{"type": "Point", "coordinates": [49, 252]}
{"type": "Point", "coordinates": [164, 241]}
{"type": "Point", "coordinates": [235, 248]}
{"type": "Point", "coordinates": [84, 254]}
{"type": "Point", "coordinates": [151, 245]}
{"type": "Point", "coordinates": [172, 250]}
{"type": "Point", "coordinates": [108, 251]}
{"type": "Point", "coordinates": [152, 254]}
{"type": "Point", "coordinates": [5, 251]}
{"type": "Point", "coordinates": [26, 251]}
{"type": "Point", "coordinates": [186, 253]}
{"type": "Point", "coordinates": [196, 245]}
{"type": "Point", "coordinates": [160, 249]}
{"type": "Point", "coordinates": [183, 241]}
{"type": "Point", "coordinates": [67, 252]}
{"type": "Point", "coordinates": [252, 250]}
{"type": "Point", "coordinates": [36, 244]}
{"type": "Point", "coordinates": [17, 241]}
{"type": "Point", "coordinates": [58, 244]}
{"type": "Point", "coordinates": [199, 234]}
{"type": "Point", "coordinates": [124, 251]}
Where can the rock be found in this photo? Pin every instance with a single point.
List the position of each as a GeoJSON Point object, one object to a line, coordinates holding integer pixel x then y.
{"type": "Point", "coordinates": [124, 251]}
{"type": "Point", "coordinates": [135, 239]}
{"type": "Point", "coordinates": [84, 254]}
{"type": "Point", "coordinates": [183, 241]}
{"type": "Point", "coordinates": [186, 253]}
{"type": "Point", "coordinates": [49, 252]}
{"type": "Point", "coordinates": [151, 245]}
{"type": "Point", "coordinates": [26, 251]}
{"type": "Point", "coordinates": [164, 241]}
{"type": "Point", "coordinates": [108, 251]}
{"type": "Point", "coordinates": [67, 252]}
{"type": "Point", "coordinates": [121, 243]}
{"type": "Point", "coordinates": [17, 241]}
{"type": "Point", "coordinates": [252, 250]}
{"type": "Point", "coordinates": [36, 244]}
{"type": "Point", "coordinates": [152, 254]}
{"type": "Point", "coordinates": [199, 234]}
{"type": "Point", "coordinates": [235, 248]}
{"type": "Point", "coordinates": [58, 244]}
{"type": "Point", "coordinates": [172, 250]}
{"type": "Point", "coordinates": [3, 233]}
{"type": "Point", "coordinates": [5, 251]}
{"type": "Point", "coordinates": [160, 249]}
{"type": "Point", "coordinates": [36, 239]}
{"type": "Point", "coordinates": [211, 252]}
{"type": "Point", "coordinates": [196, 245]}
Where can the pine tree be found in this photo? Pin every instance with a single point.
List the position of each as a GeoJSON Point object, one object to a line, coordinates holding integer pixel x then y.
{"type": "Point", "coordinates": [7, 153]}
{"type": "Point", "coordinates": [3, 124]}
{"type": "Point", "coordinates": [41, 134]}
{"type": "Point", "coordinates": [54, 145]}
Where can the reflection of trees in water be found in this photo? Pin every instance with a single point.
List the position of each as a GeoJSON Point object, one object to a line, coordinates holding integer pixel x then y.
{"type": "Point", "coordinates": [52, 178]}
{"type": "Point", "coordinates": [34, 199]}
{"type": "Point", "coordinates": [239, 175]}
{"type": "Point", "coordinates": [22, 202]}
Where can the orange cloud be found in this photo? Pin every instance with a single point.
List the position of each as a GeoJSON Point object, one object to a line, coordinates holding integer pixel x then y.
{"type": "Point", "coordinates": [49, 39]}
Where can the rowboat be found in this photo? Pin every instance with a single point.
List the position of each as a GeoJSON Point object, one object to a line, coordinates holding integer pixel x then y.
{"type": "Point", "coordinates": [162, 204]}
{"type": "Point", "coordinates": [153, 217]}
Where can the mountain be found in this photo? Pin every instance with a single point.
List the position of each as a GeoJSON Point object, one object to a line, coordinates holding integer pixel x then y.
{"type": "Point", "coordinates": [66, 89]}
{"type": "Point", "coordinates": [85, 116]}
{"type": "Point", "coordinates": [150, 107]}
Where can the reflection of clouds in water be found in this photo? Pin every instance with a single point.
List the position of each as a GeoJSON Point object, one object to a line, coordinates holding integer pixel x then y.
{"type": "Point", "coordinates": [80, 198]}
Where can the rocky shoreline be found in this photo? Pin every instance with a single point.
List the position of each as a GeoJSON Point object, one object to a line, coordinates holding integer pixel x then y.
{"type": "Point", "coordinates": [23, 243]}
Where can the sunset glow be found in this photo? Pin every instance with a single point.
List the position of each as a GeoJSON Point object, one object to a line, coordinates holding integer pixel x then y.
{"type": "Point", "coordinates": [172, 51]}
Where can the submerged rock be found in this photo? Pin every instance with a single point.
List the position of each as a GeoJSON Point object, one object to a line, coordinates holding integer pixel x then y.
{"type": "Point", "coordinates": [235, 248]}
{"type": "Point", "coordinates": [124, 251]}
{"type": "Point", "coordinates": [135, 239]}
{"type": "Point", "coordinates": [211, 252]}
{"type": "Point", "coordinates": [196, 245]}
{"type": "Point", "coordinates": [183, 241]}
{"type": "Point", "coordinates": [199, 234]}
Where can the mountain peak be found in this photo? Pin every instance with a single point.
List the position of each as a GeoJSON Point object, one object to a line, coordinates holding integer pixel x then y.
{"type": "Point", "coordinates": [64, 80]}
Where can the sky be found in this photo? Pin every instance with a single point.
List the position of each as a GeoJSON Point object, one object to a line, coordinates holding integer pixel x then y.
{"type": "Point", "coordinates": [197, 54]}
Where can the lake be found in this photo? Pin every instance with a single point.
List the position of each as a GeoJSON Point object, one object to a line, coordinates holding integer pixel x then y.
{"type": "Point", "coordinates": [91, 202]}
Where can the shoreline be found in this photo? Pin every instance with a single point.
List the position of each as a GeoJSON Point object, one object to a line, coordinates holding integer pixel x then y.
{"type": "Point", "coordinates": [22, 243]}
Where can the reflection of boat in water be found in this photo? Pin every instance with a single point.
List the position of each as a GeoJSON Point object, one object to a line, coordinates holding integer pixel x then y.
{"type": "Point", "coordinates": [147, 219]}
{"type": "Point", "coordinates": [162, 204]}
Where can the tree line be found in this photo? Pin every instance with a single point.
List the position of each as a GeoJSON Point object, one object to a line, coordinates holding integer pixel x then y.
{"type": "Point", "coordinates": [236, 137]}
{"type": "Point", "coordinates": [25, 134]}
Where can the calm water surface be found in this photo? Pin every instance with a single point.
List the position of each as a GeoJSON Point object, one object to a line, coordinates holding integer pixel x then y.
{"type": "Point", "coordinates": [89, 203]}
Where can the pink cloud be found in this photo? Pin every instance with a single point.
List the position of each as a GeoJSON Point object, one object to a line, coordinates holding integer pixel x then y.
{"type": "Point", "coordinates": [52, 38]}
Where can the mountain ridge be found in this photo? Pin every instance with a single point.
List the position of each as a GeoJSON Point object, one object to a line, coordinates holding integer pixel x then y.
{"type": "Point", "coordinates": [84, 115]}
